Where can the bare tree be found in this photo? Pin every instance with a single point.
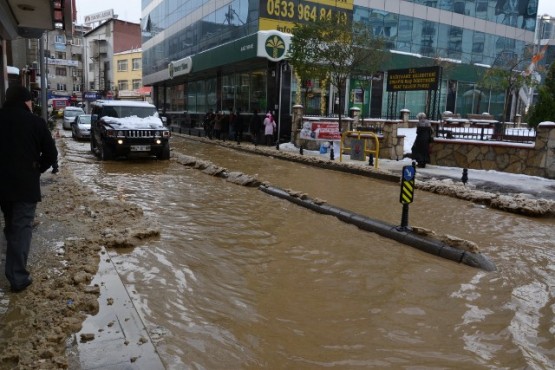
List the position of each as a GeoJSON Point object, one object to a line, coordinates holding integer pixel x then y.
{"type": "Point", "coordinates": [337, 48]}
{"type": "Point", "coordinates": [508, 74]}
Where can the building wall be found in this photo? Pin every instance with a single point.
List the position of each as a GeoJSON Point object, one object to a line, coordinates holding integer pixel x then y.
{"type": "Point", "coordinates": [101, 43]}
{"type": "Point", "coordinates": [128, 36]}
{"type": "Point", "coordinates": [471, 34]}
{"type": "Point", "coordinates": [128, 75]}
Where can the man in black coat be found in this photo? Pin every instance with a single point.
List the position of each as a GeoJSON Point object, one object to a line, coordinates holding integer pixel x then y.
{"type": "Point", "coordinates": [26, 150]}
{"type": "Point", "coordinates": [239, 126]}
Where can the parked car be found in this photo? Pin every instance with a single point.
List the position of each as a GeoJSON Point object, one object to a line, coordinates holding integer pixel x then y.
{"type": "Point", "coordinates": [81, 127]}
{"type": "Point", "coordinates": [128, 128]}
{"type": "Point", "coordinates": [69, 116]}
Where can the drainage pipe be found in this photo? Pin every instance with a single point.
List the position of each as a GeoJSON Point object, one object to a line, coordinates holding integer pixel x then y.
{"type": "Point", "coordinates": [402, 235]}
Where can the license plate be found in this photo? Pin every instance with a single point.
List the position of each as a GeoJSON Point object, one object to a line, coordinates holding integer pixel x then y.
{"type": "Point", "coordinates": [140, 148]}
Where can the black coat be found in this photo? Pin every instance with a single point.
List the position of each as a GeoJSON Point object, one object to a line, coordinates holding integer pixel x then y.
{"type": "Point", "coordinates": [421, 147]}
{"type": "Point", "coordinates": [26, 150]}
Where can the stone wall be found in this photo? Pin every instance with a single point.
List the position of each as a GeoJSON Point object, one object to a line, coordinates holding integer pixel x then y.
{"type": "Point", "coordinates": [536, 159]}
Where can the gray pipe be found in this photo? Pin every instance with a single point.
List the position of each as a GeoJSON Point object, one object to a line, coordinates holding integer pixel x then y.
{"type": "Point", "coordinates": [405, 236]}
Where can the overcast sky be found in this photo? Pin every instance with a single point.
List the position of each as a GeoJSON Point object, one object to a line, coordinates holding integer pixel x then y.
{"type": "Point", "coordinates": [130, 10]}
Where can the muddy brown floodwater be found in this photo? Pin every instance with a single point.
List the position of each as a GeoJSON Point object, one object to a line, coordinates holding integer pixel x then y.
{"type": "Point", "coordinates": [238, 279]}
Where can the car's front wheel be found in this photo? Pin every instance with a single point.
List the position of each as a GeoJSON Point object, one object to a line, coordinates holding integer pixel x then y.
{"type": "Point", "coordinates": [106, 153]}
{"type": "Point", "coordinates": [165, 153]}
{"type": "Point", "coordinates": [93, 144]}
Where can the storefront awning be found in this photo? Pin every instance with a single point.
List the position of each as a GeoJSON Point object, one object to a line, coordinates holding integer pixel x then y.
{"type": "Point", "coordinates": [145, 90]}
{"type": "Point", "coordinates": [272, 45]}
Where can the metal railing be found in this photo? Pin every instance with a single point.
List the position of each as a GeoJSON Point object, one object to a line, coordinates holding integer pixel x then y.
{"type": "Point", "coordinates": [506, 132]}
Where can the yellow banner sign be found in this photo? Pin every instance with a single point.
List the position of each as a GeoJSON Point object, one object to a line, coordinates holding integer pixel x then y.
{"type": "Point", "coordinates": [285, 13]}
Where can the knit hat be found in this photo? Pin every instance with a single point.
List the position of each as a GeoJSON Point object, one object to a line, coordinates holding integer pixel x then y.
{"type": "Point", "coordinates": [18, 93]}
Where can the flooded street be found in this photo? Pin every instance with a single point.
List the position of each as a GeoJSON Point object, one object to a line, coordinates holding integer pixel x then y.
{"type": "Point", "coordinates": [242, 280]}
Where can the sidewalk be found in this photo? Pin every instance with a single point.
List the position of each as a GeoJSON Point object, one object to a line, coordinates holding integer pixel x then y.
{"type": "Point", "coordinates": [504, 183]}
{"type": "Point", "coordinates": [520, 194]}
{"type": "Point", "coordinates": [491, 181]}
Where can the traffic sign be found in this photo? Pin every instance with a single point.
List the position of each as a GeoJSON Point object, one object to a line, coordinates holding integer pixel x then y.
{"type": "Point", "coordinates": [407, 185]}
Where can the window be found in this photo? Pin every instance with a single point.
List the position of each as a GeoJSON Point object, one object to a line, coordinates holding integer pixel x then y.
{"type": "Point", "coordinates": [136, 84]}
{"type": "Point", "coordinates": [91, 85]}
{"type": "Point", "coordinates": [122, 65]}
{"type": "Point", "coordinates": [61, 71]}
{"type": "Point", "coordinates": [61, 87]}
{"type": "Point", "coordinates": [76, 87]}
{"type": "Point", "coordinates": [137, 63]}
{"type": "Point", "coordinates": [123, 85]}
{"type": "Point", "coordinates": [60, 39]}
{"type": "Point", "coordinates": [60, 55]}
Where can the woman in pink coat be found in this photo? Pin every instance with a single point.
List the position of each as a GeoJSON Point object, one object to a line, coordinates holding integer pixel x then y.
{"type": "Point", "coordinates": [269, 128]}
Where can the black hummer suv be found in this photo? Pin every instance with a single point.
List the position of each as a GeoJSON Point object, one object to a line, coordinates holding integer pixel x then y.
{"type": "Point", "coordinates": [124, 128]}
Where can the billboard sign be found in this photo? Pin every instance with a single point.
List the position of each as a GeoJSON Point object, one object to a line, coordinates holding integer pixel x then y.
{"type": "Point", "coordinates": [320, 130]}
{"type": "Point", "coordinates": [100, 16]}
{"type": "Point", "coordinates": [412, 79]}
{"type": "Point", "coordinates": [282, 15]}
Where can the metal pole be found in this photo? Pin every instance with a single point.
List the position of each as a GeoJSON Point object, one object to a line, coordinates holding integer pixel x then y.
{"type": "Point", "coordinates": [405, 217]}
{"type": "Point", "coordinates": [43, 86]}
{"type": "Point", "coordinates": [279, 102]}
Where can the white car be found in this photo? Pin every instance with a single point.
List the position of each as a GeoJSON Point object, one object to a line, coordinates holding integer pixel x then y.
{"type": "Point", "coordinates": [81, 127]}
{"type": "Point", "coordinates": [69, 116]}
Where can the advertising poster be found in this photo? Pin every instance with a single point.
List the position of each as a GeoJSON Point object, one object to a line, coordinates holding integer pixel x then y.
{"type": "Point", "coordinates": [320, 130]}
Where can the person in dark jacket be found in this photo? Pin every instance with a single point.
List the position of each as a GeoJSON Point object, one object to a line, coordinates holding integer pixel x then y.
{"type": "Point", "coordinates": [424, 136]}
{"type": "Point", "coordinates": [256, 128]}
{"type": "Point", "coordinates": [27, 149]}
{"type": "Point", "coordinates": [239, 126]}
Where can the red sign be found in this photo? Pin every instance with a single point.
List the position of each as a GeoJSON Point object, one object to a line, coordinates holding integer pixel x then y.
{"type": "Point", "coordinates": [320, 130]}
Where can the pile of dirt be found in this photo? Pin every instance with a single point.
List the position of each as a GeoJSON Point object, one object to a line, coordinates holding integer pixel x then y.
{"type": "Point", "coordinates": [72, 224]}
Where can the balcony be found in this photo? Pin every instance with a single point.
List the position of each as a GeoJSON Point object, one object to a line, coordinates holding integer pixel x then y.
{"type": "Point", "coordinates": [30, 19]}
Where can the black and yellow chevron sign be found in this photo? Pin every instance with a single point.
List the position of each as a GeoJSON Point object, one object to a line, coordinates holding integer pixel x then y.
{"type": "Point", "coordinates": [407, 185]}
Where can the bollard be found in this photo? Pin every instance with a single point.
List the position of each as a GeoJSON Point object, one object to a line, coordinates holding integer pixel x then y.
{"type": "Point", "coordinates": [332, 156]}
{"type": "Point", "coordinates": [464, 177]}
{"type": "Point", "coordinates": [301, 150]}
{"type": "Point", "coordinates": [407, 192]}
{"type": "Point", "coordinates": [370, 159]}
{"type": "Point", "coordinates": [277, 144]}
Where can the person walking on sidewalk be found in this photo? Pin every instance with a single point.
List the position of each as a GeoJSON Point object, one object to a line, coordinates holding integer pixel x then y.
{"type": "Point", "coordinates": [269, 127]}
{"type": "Point", "coordinates": [27, 149]}
{"type": "Point", "coordinates": [424, 136]}
{"type": "Point", "coordinates": [239, 126]}
{"type": "Point", "coordinates": [256, 128]}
